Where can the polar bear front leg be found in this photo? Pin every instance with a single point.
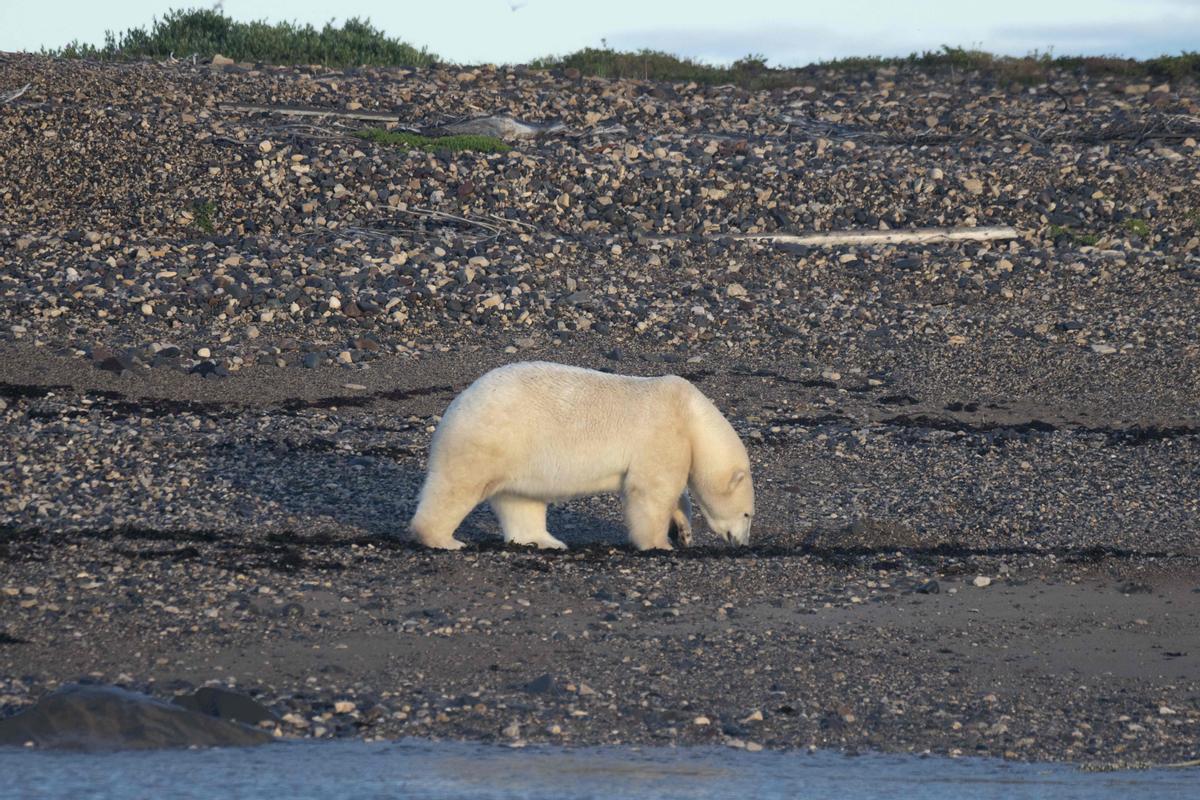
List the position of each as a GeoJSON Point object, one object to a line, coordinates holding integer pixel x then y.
{"type": "Point", "coordinates": [523, 521]}
{"type": "Point", "coordinates": [681, 519]}
{"type": "Point", "coordinates": [648, 518]}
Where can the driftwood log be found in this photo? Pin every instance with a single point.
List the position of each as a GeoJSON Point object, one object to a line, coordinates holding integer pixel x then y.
{"type": "Point", "coordinates": [309, 111]}
{"type": "Point", "coordinates": [8, 97]}
{"type": "Point", "coordinates": [912, 236]}
{"type": "Point", "coordinates": [501, 126]}
{"type": "Point", "coordinates": [986, 233]}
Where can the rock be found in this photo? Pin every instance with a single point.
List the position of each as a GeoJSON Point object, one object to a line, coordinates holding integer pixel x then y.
{"type": "Point", "coordinates": [982, 581]}
{"type": "Point", "coordinates": [1103, 349]}
{"type": "Point", "coordinates": [108, 718]}
{"type": "Point", "coordinates": [929, 587]}
{"type": "Point", "coordinates": [227, 705]}
{"type": "Point", "coordinates": [209, 369]}
{"type": "Point", "coordinates": [115, 364]}
{"type": "Point", "coordinates": [312, 360]}
{"type": "Point", "coordinates": [221, 61]}
{"type": "Point", "coordinates": [973, 185]}
{"type": "Point", "coordinates": [544, 684]}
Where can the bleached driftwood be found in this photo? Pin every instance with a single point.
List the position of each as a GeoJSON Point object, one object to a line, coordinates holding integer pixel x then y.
{"type": "Point", "coordinates": [913, 236]}
{"type": "Point", "coordinates": [306, 111]}
{"type": "Point", "coordinates": [8, 97]}
{"type": "Point", "coordinates": [502, 126]}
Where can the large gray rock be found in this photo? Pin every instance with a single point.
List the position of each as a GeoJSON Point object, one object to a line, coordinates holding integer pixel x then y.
{"type": "Point", "coordinates": [108, 718]}
{"type": "Point", "coordinates": [227, 705]}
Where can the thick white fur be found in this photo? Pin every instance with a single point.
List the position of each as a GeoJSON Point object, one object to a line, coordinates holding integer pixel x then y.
{"type": "Point", "coordinates": [533, 433]}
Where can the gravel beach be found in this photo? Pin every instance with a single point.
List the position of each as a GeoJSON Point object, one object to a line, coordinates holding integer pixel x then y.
{"type": "Point", "coordinates": [226, 337]}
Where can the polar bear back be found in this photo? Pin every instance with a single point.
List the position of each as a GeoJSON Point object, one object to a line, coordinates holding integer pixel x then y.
{"type": "Point", "coordinates": [555, 431]}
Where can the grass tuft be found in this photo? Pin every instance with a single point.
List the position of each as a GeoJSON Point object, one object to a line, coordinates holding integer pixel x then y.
{"type": "Point", "coordinates": [1138, 227]}
{"type": "Point", "coordinates": [202, 215]}
{"type": "Point", "coordinates": [432, 144]}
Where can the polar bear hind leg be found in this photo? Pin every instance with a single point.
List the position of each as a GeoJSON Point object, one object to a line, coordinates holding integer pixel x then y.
{"type": "Point", "coordinates": [523, 520]}
{"type": "Point", "coordinates": [441, 509]}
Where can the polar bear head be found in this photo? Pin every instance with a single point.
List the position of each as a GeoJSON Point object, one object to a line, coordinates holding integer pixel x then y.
{"type": "Point", "coordinates": [729, 509]}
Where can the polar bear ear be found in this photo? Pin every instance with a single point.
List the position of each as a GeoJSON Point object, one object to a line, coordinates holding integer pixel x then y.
{"type": "Point", "coordinates": [738, 477]}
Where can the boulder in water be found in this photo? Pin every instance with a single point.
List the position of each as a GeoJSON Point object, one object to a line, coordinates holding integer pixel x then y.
{"type": "Point", "coordinates": [81, 717]}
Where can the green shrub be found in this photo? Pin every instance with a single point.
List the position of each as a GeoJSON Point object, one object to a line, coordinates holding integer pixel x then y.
{"type": "Point", "coordinates": [753, 72]}
{"type": "Point", "coordinates": [202, 215]}
{"type": "Point", "coordinates": [1138, 227]}
{"type": "Point", "coordinates": [207, 33]}
{"type": "Point", "coordinates": [431, 144]}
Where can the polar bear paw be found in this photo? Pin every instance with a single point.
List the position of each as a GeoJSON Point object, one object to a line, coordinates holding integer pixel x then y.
{"type": "Point", "coordinates": [448, 544]}
{"type": "Point", "coordinates": [543, 541]}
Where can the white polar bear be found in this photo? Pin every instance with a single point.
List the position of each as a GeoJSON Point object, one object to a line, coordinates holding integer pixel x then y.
{"type": "Point", "coordinates": [533, 433]}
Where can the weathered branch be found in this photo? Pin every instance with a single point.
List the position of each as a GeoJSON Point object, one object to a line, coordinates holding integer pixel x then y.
{"type": "Point", "coordinates": [501, 126]}
{"type": "Point", "coordinates": [912, 236]}
{"type": "Point", "coordinates": [306, 111]}
{"type": "Point", "coordinates": [8, 97]}
{"type": "Point", "coordinates": [867, 237]}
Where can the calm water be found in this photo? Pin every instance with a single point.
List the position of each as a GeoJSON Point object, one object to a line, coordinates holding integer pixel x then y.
{"type": "Point", "coordinates": [413, 769]}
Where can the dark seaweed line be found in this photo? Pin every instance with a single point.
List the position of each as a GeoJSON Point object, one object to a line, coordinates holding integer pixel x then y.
{"type": "Point", "coordinates": [122, 405]}
{"type": "Point", "coordinates": [288, 547]}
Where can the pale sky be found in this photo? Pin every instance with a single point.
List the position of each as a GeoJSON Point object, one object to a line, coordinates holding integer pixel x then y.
{"type": "Point", "coordinates": [788, 33]}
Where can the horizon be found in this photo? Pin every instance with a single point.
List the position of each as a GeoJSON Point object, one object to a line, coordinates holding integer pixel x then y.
{"type": "Point", "coordinates": [513, 31]}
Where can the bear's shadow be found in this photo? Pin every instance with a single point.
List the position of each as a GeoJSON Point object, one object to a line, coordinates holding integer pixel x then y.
{"type": "Point", "coordinates": [376, 495]}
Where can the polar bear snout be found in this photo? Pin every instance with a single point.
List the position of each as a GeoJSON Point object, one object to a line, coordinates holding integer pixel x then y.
{"type": "Point", "coordinates": [734, 530]}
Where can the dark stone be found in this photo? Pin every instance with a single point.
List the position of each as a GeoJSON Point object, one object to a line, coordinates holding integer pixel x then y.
{"type": "Point", "coordinates": [81, 717]}
{"type": "Point", "coordinates": [544, 684]}
{"type": "Point", "coordinates": [115, 364]}
{"type": "Point", "coordinates": [226, 705]}
{"type": "Point", "coordinates": [312, 360]}
{"type": "Point", "coordinates": [209, 369]}
{"type": "Point", "coordinates": [929, 587]}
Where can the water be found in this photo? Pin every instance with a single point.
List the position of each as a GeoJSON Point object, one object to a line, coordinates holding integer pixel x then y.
{"type": "Point", "coordinates": [420, 769]}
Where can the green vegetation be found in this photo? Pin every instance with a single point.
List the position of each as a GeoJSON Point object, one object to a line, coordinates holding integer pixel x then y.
{"type": "Point", "coordinates": [1056, 232]}
{"type": "Point", "coordinates": [207, 33]}
{"type": "Point", "coordinates": [602, 62]}
{"type": "Point", "coordinates": [753, 72]}
{"type": "Point", "coordinates": [1138, 227]}
{"type": "Point", "coordinates": [432, 144]}
{"type": "Point", "coordinates": [202, 215]}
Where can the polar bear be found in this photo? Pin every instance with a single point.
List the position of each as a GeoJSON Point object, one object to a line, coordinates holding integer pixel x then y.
{"type": "Point", "coordinates": [533, 433]}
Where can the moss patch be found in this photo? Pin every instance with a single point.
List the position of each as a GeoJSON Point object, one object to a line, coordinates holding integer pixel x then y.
{"type": "Point", "coordinates": [431, 144]}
